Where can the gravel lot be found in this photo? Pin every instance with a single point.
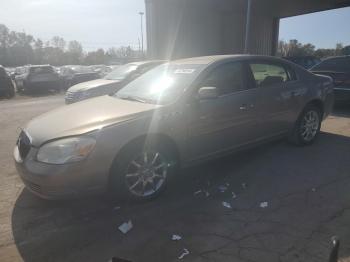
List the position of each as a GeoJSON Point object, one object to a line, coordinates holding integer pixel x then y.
{"type": "Point", "coordinates": [307, 191]}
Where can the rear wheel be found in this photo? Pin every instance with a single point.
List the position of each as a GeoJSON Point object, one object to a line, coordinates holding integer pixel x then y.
{"type": "Point", "coordinates": [142, 172]}
{"type": "Point", "coordinates": [307, 126]}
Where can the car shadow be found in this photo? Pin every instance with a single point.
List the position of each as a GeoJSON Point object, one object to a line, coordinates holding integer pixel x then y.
{"type": "Point", "coordinates": [42, 93]}
{"type": "Point", "coordinates": [87, 229]}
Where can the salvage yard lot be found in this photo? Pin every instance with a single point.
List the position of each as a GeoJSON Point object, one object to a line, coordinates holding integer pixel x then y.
{"type": "Point", "coordinates": [306, 190]}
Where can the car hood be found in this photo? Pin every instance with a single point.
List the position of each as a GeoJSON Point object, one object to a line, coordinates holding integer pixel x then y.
{"type": "Point", "coordinates": [83, 117]}
{"type": "Point", "coordinates": [93, 84]}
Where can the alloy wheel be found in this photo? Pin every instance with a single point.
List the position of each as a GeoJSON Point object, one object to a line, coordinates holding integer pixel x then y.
{"type": "Point", "coordinates": [309, 125]}
{"type": "Point", "coordinates": [146, 174]}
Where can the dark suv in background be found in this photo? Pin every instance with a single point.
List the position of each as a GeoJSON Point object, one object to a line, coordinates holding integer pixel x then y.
{"type": "Point", "coordinates": [38, 78]}
{"type": "Point", "coordinates": [75, 74]}
{"type": "Point", "coordinates": [339, 69]}
{"type": "Point", "coordinates": [7, 88]}
{"type": "Point", "coordinates": [304, 61]}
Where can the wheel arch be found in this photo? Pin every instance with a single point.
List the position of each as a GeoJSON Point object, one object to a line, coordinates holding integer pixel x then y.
{"type": "Point", "coordinates": [165, 140]}
{"type": "Point", "coordinates": [318, 103]}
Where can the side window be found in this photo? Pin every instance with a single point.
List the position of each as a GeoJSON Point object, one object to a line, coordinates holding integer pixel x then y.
{"type": "Point", "coordinates": [227, 78]}
{"type": "Point", "coordinates": [268, 74]}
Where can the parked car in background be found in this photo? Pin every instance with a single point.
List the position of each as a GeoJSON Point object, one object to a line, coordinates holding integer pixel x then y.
{"type": "Point", "coordinates": [38, 78]}
{"type": "Point", "coordinates": [304, 61]}
{"type": "Point", "coordinates": [7, 88]}
{"type": "Point", "coordinates": [75, 74]}
{"type": "Point", "coordinates": [111, 83]}
{"type": "Point", "coordinates": [175, 115]}
{"type": "Point", "coordinates": [17, 71]}
{"type": "Point", "coordinates": [338, 68]}
{"type": "Point", "coordinates": [10, 71]}
{"type": "Point", "coordinates": [102, 70]}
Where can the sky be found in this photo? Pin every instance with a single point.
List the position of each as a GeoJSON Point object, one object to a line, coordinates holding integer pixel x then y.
{"type": "Point", "coordinates": [106, 23]}
{"type": "Point", "coordinates": [94, 23]}
{"type": "Point", "coordinates": [322, 29]}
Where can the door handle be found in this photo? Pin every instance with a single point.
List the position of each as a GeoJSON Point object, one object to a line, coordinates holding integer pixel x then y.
{"type": "Point", "coordinates": [243, 107]}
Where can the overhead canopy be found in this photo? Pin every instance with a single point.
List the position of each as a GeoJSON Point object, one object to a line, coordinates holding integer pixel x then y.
{"type": "Point", "coordinates": [275, 8]}
{"type": "Point", "coordinates": [184, 28]}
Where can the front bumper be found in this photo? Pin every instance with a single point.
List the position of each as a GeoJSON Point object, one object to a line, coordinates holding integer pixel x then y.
{"type": "Point", "coordinates": [58, 181]}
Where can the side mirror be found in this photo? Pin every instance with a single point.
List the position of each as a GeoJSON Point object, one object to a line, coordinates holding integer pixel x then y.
{"type": "Point", "coordinates": [208, 92]}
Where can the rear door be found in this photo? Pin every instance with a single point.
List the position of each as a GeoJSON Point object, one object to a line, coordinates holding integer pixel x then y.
{"type": "Point", "coordinates": [280, 92]}
{"type": "Point", "coordinates": [227, 121]}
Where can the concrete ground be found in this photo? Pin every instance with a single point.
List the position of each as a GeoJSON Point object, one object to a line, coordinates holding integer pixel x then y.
{"type": "Point", "coordinates": [306, 190]}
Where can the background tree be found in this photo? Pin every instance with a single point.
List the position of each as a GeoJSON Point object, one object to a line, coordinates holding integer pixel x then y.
{"type": "Point", "coordinates": [295, 48]}
{"type": "Point", "coordinates": [74, 54]}
{"type": "Point", "coordinates": [58, 42]}
{"type": "Point", "coordinates": [4, 43]}
{"type": "Point", "coordinates": [38, 51]}
{"type": "Point", "coordinates": [96, 57]}
{"type": "Point", "coordinates": [338, 49]}
{"type": "Point", "coordinates": [346, 50]}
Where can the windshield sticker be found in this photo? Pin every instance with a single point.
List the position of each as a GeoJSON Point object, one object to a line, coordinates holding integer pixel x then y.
{"type": "Point", "coordinates": [184, 71]}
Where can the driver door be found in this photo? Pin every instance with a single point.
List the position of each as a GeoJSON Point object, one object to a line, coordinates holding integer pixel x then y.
{"type": "Point", "coordinates": [227, 121]}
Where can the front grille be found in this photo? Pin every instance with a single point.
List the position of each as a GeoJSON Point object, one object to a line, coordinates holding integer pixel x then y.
{"type": "Point", "coordinates": [23, 144]}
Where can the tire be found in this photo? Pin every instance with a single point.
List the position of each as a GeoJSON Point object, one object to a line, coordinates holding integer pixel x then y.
{"type": "Point", "coordinates": [307, 127]}
{"type": "Point", "coordinates": [141, 172]}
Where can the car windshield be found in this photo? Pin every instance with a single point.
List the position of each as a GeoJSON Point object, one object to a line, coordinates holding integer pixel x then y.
{"type": "Point", "coordinates": [161, 85]}
{"type": "Point", "coordinates": [334, 64]}
{"type": "Point", "coordinates": [41, 70]}
{"type": "Point", "coordinates": [121, 72]}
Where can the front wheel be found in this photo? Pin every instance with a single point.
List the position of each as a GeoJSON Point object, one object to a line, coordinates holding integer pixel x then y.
{"type": "Point", "coordinates": [307, 126]}
{"type": "Point", "coordinates": [141, 172]}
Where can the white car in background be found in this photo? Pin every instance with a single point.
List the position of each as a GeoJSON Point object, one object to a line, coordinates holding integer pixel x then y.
{"type": "Point", "coordinates": [111, 83]}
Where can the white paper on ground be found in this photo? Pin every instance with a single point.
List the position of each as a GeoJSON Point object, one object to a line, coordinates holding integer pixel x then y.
{"type": "Point", "coordinates": [176, 237]}
{"type": "Point", "coordinates": [125, 227]}
{"type": "Point", "coordinates": [185, 253]}
{"type": "Point", "coordinates": [264, 204]}
{"type": "Point", "coordinates": [225, 204]}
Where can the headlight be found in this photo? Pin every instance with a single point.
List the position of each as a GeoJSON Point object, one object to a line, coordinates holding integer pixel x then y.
{"type": "Point", "coordinates": [66, 150]}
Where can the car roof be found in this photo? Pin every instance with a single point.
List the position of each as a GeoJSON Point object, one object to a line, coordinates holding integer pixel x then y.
{"type": "Point", "coordinates": [34, 66]}
{"type": "Point", "coordinates": [140, 63]}
{"type": "Point", "coordinates": [299, 56]}
{"type": "Point", "coordinates": [337, 57]}
{"type": "Point", "coordinates": [206, 60]}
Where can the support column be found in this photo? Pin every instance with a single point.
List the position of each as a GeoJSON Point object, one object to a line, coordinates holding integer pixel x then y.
{"type": "Point", "coordinates": [247, 26]}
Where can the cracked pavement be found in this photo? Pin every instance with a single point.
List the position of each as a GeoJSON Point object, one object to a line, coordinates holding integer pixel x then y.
{"type": "Point", "coordinates": [307, 190]}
